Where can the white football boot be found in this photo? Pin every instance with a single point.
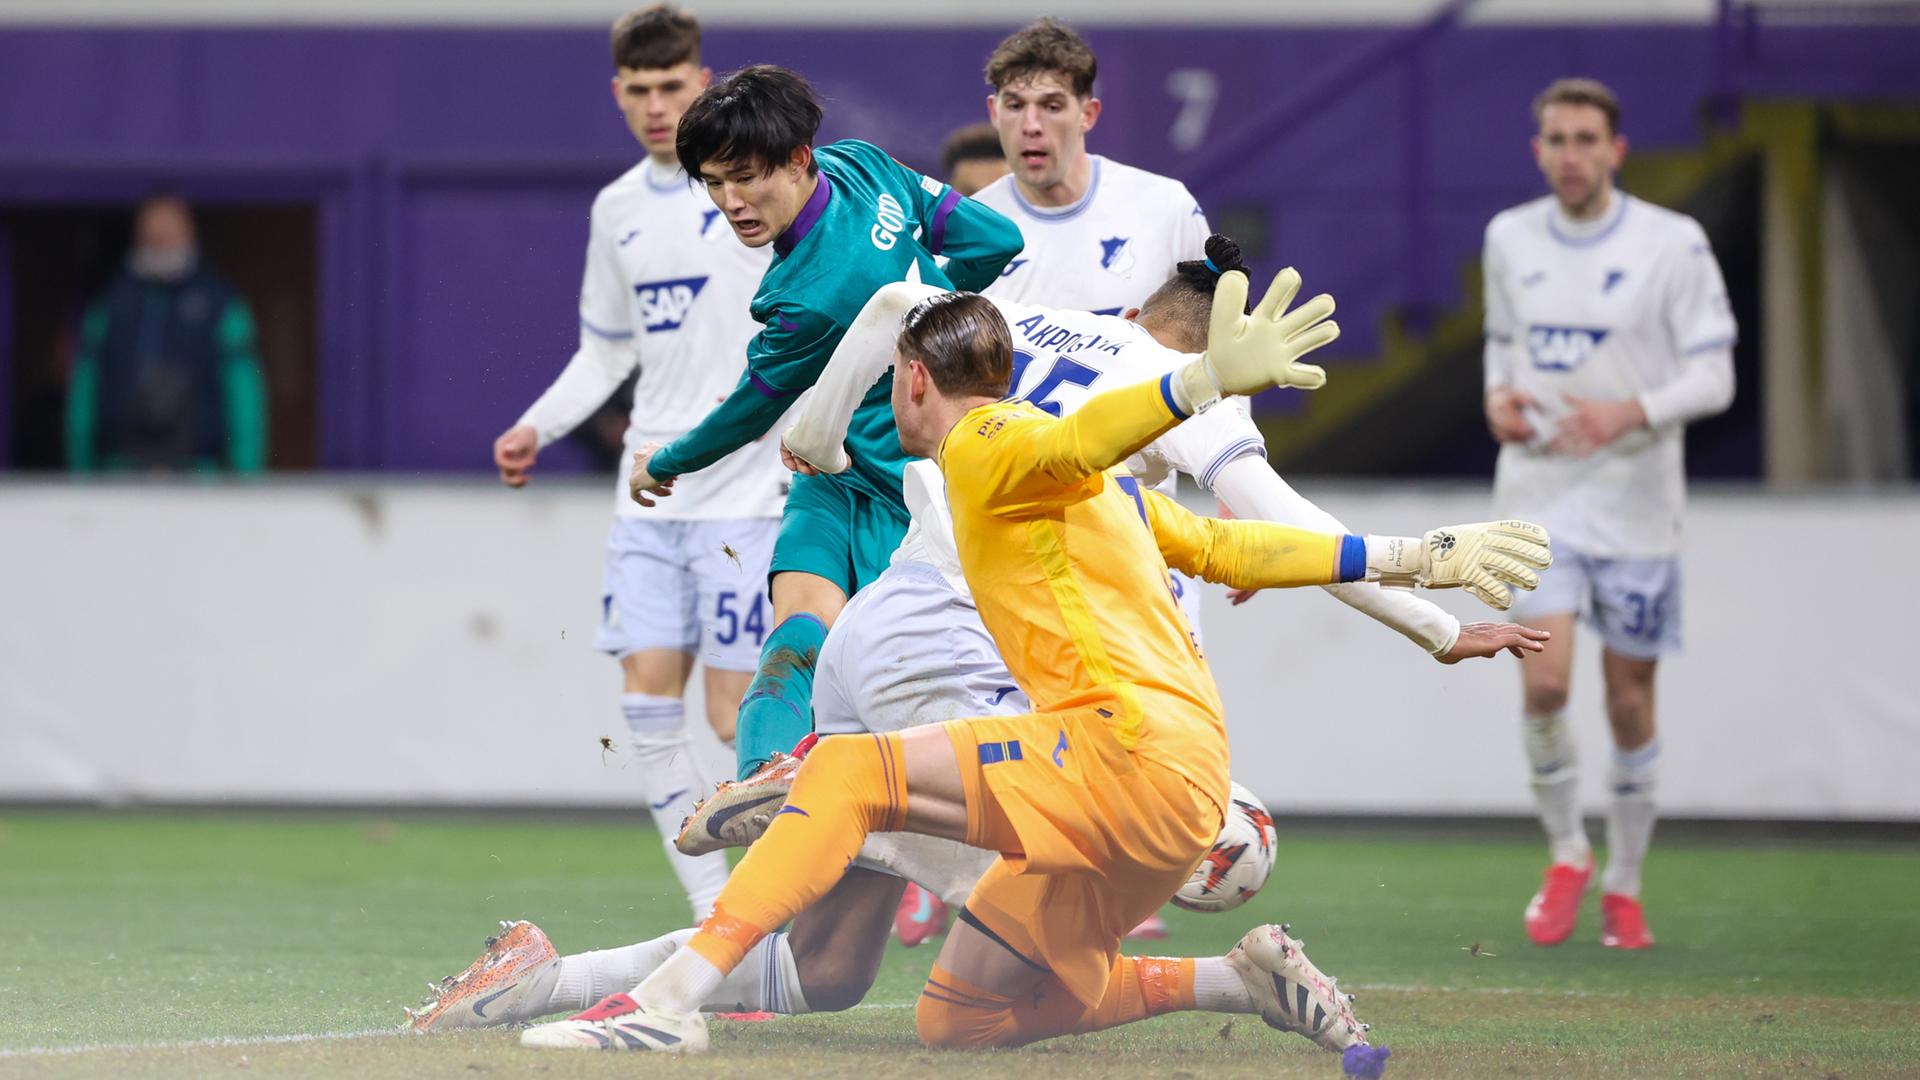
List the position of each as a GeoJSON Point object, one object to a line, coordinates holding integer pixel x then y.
{"type": "Point", "coordinates": [739, 810]}
{"type": "Point", "coordinates": [510, 983]}
{"type": "Point", "coordinates": [1290, 993]}
{"type": "Point", "coordinates": [620, 1023]}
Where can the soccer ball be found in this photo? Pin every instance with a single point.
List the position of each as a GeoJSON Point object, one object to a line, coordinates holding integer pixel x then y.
{"type": "Point", "coordinates": [1238, 864]}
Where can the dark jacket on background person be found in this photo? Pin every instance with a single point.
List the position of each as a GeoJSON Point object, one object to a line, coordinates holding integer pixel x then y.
{"type": "Point", "coordinates": [168, 377]}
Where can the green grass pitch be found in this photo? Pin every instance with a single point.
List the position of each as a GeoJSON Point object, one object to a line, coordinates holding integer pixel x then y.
{"type": "Point", "coordinates": [195, 944]}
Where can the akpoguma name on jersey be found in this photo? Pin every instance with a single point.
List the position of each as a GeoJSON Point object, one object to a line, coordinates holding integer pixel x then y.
{"type": "Point", "coordinates": [1045, 335]}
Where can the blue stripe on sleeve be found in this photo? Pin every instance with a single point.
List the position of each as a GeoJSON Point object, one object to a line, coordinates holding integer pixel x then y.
{"type": "Point", "coordinates": [1710, 346]}
{"type": "Point", "coordinates": [1244, 448]}
{"type": "Point", "coordinates": [1166, 395]}
{"type": "Point", "coordinates": [610, 335]}
{"type": "Point", "coordinates": [1353, 557]}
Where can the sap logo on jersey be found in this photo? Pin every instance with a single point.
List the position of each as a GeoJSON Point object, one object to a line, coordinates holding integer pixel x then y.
{"type": "Point", "coordinates": [664, 304]}
{"type": "Point", "coordinates": [892, 221]}
{"type": "Point", "coordinates": [1563, 348]}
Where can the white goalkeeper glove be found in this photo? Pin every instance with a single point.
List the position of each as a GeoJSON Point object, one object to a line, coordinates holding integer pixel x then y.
{"type": "Point", "coordinates": [1488, 559]}
{"type": "Point", "coordinates": [1249, 353]}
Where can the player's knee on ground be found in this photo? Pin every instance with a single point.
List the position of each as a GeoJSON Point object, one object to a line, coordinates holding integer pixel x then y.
{"type": "Point", "coordinates": [945, 1022]}
{"type": "Point", "coordinates": [838, 958]}
{"type": "Point", "coordinates": [833, 984]}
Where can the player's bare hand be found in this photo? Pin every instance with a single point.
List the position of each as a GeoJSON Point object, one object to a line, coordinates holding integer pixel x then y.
{"type": "Point", "coordinates": [1491, 638]}
{"type": "Point", "coordinates": [1505, 420]}
{"type": "Point", "coordinates": [640, 482]}
{"type": "Point", "coordinates": [796, 463]}
{"type": "Point", "coordinates": [1236, 597]}
{"type": "Point", "coordinates": [514, 452]}
{"type": "Point", "coordinates": [1594, 423]}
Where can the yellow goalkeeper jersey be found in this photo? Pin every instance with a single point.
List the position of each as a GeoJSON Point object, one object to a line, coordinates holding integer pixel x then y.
{"type": "Point", "coordinates": [1067, 559]}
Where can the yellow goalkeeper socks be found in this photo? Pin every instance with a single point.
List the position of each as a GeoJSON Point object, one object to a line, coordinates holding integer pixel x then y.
{"type": "Point", "coordinates": [851, 785]}
{"type": "Point", "coordinates": [953, 1012]}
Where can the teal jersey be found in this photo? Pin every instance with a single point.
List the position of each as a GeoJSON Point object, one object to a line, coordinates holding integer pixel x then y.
{"type": "Point", "coordinates": [871, 221]}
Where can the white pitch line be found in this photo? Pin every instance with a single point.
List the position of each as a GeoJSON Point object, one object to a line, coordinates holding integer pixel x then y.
{"type": "Point", "coordinates": [266, 1040]}
{"type": "Point", "coordinates": [192, 1044]}
{"type": "Point", "coordinates": [1393, 988]}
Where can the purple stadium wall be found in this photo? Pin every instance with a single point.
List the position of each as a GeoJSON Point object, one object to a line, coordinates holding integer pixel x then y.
{"type": "Point", "coordinates": [451, 170]}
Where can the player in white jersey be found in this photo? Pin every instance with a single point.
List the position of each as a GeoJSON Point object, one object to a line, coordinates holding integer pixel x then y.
{"type": "Point", "coordinates": [1608, 330]}
{"type": "Point", "coordinates": [910, 649]}
{"type": "Point", "coordinates": [1100, 235]}
{"type": "Point", "coordinates": [666, 288]}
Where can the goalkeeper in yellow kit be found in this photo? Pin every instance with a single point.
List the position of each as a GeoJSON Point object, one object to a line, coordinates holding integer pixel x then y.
{"type": "Point", "coordinates": [1103, 800]}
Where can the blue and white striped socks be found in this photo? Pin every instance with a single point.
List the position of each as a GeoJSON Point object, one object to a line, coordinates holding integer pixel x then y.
{"type": "Point", "coordinates": [671, 782]}
{"type": "Point", "coordinates": [1630, 816]}
{"type": "Point", "coordinates": [1556, 787]}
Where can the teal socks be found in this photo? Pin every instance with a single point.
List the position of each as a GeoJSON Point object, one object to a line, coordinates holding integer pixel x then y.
{"type": "Point", "coordinates": [778, 709]}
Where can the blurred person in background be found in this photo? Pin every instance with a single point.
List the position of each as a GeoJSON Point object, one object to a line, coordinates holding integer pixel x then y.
{"type": "Point", "coordinates": [972, 158]}
{"type": "Point", "coordinates": [1607, 331]}
{"type": "Point", "coordinates": [167, 376]}
{"type": "Point", "coordinates": [666, 289]}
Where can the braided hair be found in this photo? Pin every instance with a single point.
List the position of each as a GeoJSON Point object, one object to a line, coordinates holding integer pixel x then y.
{"type": "Point", "coordinates": [1184, 302]}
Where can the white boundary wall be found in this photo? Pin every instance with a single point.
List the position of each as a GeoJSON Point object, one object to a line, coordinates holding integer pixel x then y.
{"type": "Point", "coordinates": [382, 643]}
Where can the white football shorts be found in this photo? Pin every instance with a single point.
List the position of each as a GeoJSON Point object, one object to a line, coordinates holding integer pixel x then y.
{"type": "Point", "coordinates": [907, 651]}
{"type": "Point", "coordinates": [1635, 603]}
{"type": "Point", "coordinates": [696, 586]}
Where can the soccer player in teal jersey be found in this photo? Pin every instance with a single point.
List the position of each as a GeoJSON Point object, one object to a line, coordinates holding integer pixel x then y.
{"type": "Point", "coordinates": [843, 219]}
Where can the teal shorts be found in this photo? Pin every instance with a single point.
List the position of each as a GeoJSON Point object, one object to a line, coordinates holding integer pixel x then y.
{"type": "Point", "coordinates": [835, 530]}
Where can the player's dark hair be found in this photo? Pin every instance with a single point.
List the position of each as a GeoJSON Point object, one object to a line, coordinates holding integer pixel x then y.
{"type": "Point", "coordinates": [1048, 45]}
{"type": "Point", "coordinates": [1184, 302]}
{"type": "Point", "coordinates": [655, 37]}
{"type": "Point", "coordinates": [758, 115]}
{"type": "Point", "coordinates": [964, 342]}
{"type": "Point", "coordinates": [975, 142]}
{"type": "Point", "coordinates": [1579, 92]}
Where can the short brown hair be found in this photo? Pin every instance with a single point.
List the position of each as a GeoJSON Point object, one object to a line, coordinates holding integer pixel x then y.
{"type": "Point", "coordinates": [655, 37]}
{"type": "Point", "coordinates": [1037, 48]}
{"type": "Point", "coordinates": [975, 142]}
{"type": "Point", "coordinates": [1579, 92]}
{"type": "Point", "coordinates": [964, 342]}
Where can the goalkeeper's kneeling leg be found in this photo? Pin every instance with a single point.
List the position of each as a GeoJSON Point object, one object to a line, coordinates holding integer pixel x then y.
{"type": "Point", "coordinates": [953, 1014]}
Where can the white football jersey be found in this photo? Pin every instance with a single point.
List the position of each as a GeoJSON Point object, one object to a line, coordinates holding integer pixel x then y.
{"type": "Point", "coordinates": [1105, 253]}
{"type": "Point", "coordinates": [666, 275]}
{"type": "Point", "coordinates": [1610, 309]}
{"type": "Point", "coordinates": [1062, 358]}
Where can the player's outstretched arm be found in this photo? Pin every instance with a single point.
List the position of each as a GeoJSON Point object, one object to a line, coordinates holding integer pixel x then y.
{"type": "Point", "coordinates": [1036, 457]}
{"type": "Point", "coordinates": [1245, 354]}
{"type": "Point", "coordinates": [979, 242]}
{"type": "Point", "coordinates": [1251, 490]}
{"type": "Point", "coordinates": [595, 371]}
{"type": "Point", "coordinates": [1488, 559]}
{"type": "Point", "coordinates": [1251, 554]}
{"type": "Point", "coordinates": [818, 435]}
{"type": "Point", "coordinates": [782, 361]}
